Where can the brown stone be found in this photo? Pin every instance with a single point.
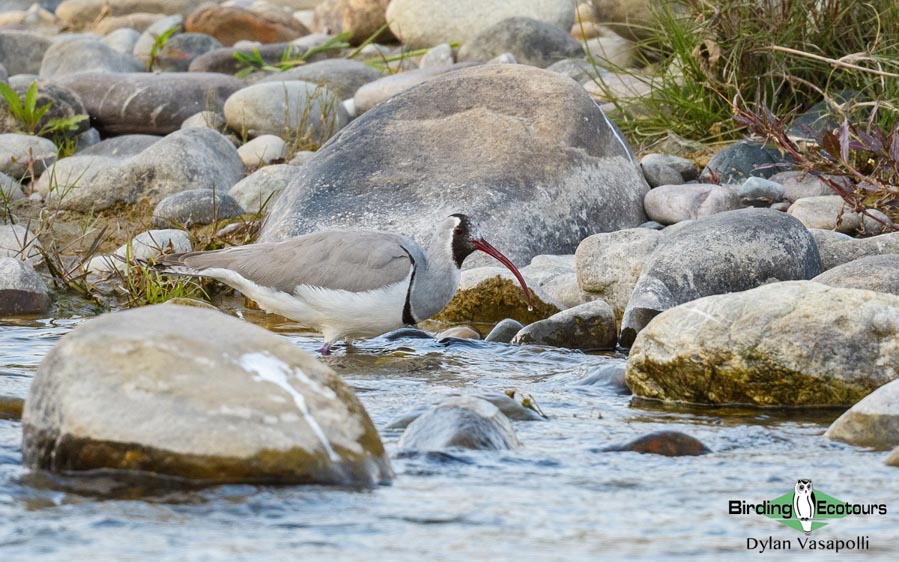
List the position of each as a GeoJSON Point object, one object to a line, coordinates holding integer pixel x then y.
{"type": "Point", "coordinates": [139, 22]}
{"type": "Point", "coordinates": [230, 25]}
{"type": "Point", "coordinates": [360, 18]}
{"type": "Point", "coordinates": [666, 443]}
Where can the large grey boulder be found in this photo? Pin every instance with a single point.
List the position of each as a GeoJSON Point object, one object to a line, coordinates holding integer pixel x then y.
{"type": "Point", "coordinates": [194, 393]}
{"type": "Point", "coordinates": [874, 273]}
{"type": "Point", "coordinates": [186, 159]}
{"type": "Point", "coordinates": [538, 170]}
{"type": "Point", "coordinates": [22, 291]}
{"type": "Point", "coordinates": [590, 326]}
{"type": "Point", "coordinates": [21, 52]}
{"type": "Point", "coordinates": [425, 23]}
{"type": "Point", "coordinates": [723, 253]}
{"type": "Point", "coordinates": [149, 103]}
{"type": "Point", "coordinates": [341, 76]}
{"type": "Point", "coordinates": [872, 422]}
{"type": "Point", "coordinates": [609, 264]}
{"type": "Point", "coordinates": [530, 41]}
{"type": "Point", "coordinates": [461, 422]}
{"type": "Point", "coordinates": [797, 343]}
{"type": "Point", "coordinates": [670, 204]}
{"type": "Point", "coordinates": [289, 109]}
{"type": "Point", "coordinates": [85, 55]}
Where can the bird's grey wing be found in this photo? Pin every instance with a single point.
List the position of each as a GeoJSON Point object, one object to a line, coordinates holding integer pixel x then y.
{"type": "Point", "coordinates": [355, 261]}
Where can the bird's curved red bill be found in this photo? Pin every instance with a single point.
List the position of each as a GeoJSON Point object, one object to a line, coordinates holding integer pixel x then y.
{"type": "Point", "coordinates": [483, 246]}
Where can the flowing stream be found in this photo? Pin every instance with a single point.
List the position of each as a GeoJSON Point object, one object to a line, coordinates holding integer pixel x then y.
{"type": "Point", "coordinates": [557, 497]}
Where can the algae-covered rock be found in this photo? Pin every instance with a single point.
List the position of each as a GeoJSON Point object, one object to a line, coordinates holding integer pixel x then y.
{"type": "Point", "coordinates": [492, 294]}
{"type": "Point", "coordinates": [196, 394]}
{"type": "Point", "coordinates": [795, 343]}
{"type": "Point", "coordinates": [588, 326]}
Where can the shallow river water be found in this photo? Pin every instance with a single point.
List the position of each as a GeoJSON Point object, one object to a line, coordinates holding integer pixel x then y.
{"type": "Point", "coordinates": [558, 497]}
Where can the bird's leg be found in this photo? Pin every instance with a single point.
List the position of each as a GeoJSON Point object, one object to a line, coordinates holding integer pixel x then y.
{"type": "Point", "coordinates": [325, 349]}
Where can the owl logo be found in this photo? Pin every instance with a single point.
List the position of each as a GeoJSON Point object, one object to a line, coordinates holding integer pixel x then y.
{"type": "Point", "coordinates": [804, 504]}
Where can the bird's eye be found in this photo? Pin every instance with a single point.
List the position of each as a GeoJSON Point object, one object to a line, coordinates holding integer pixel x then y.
{"type": "Point", "coordinates": [457, 231]}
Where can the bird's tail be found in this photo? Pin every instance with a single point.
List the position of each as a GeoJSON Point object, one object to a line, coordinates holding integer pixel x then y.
{"type": "Point", "coordinates": [176, 264]}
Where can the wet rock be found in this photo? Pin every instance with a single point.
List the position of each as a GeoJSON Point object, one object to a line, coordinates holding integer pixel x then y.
{"type": "Point", "coordinates": [504, 331]}
{"type": "Point", "coordinates": [16, 241]}
{"type": "Point", "coordinates": [79, 14]}
{"type": "Point", "coordinates": [119, 390]}
{"type": "Point", "coordinates": [590, 326]}
{"type": "Point", "coordinates": [893, 459]}
{"type": "Point", "coordinates": [232, 24]}
{"type": "Point", "coordinates": [686, 168]}
{"type": "Point", "coordinates": [424, 23]}
{"type": "Point", "coordinates": [373, 93]}
{"type": "Point", "coordinates": [759, 192]}
{"type": "Point", "coordinates": [186, 159]}
{"type": "Point", "coordinates": [872, 422]}
{"type": "Point", "coordinates": [538, 170]}
{"type": "Point", "coordinates": [741, 160]}
{"type": "Point", "coordinates": [491, 294]}
{"type": "Point", "coordinates": [122, 146]}
{"type": "Point", "coordinates": [798, 185]}
{"type": "Point", "coordinates": [147, 103]}
{"type": "Point", "coordinates": [578, 69]}
{"type": "Point", "coordinates": [658, 174]}
{"type": "Point", "coordinates": [873, 273]}
{"type": "Point", "coordinates": [830, 212]}
{"type": "Point", "coordinates": [608, 265]}
{"type": "Point", "coordinates": [837, 248]}
{"type": "Point", "coordinates": [261, 188]}
{"type": "Point", "coordinates": [439, 55]}
{"type": "Point", "coordinates": [85, 55]}
{"type": "Point", "coordinates": [262, 151]}
{"type": "Point", "coordinates": [774, 345]}
{"type": "Point", "coordinates": [670, 204]}
{"type": "Point", "coordinates": [464, 422]}
{"type": "Point", "coordinates": [723, 253]}
{"type": "Point", "coordinates": [359, 18]}
{"type": "Point", "coordinates": [286, 109]}
{"type": "Point", "coordinates": [19, 153]}
{"type": "Point", "coordinates": [21, 52]}
{"type": "Point", "coordinates": [665, 443]}
{"type": "Point", "coordinates": [22, 291]}
{"type": "Point", "coordinates": [461, 332]}
{"type": "Point", "coordinates": [195, 206]}
{"type": "Point", "coordinates": [341, 76]}
{"type": "Point", "coordinates": [205, 120]}
{"type": "Point", "coordinates": [606, 375]}
{"type": "Point", "coordinates": [530, 41]}
{"type": "Point", "coordinates": [63, 104]}
{"type": "Point", "coordinates": [516, 404]}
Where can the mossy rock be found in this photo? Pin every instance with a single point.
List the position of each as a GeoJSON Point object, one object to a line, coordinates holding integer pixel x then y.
{"type": "Point", "coordinates": [494, 299]}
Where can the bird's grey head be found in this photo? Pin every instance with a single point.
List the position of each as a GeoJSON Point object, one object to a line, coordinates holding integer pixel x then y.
{"type": "Point", "coordinates": [465, 238]}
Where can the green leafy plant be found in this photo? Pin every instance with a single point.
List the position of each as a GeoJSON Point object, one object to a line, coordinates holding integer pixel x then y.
{"type": "Point", "coordinates": [290, 57]}
{"type": "Point", "coordinates": [26, 111]}
{"type": "Point", "coordinates": [159, 43]}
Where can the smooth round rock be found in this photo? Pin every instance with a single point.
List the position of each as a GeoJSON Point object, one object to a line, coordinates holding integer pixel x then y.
{"type": "Point", "coordinates": [504, 331]}
{"type": "Point", "coordinates": [671, 204]}
{"type": "Point", "coordinates": [742, 159]}
{"type": "Point", "coordinates": [665, 443]}
{"type": "Point", "coordinates": [872, 422]}
{"type": "Point", "coordinates": [230, 24]}
{"type": "Point", "coordinates": [658, 174]}
{"type": "Point", "coordinates": [341, 76]}
{"type": "Point", "coordinates": [194, 393]}
{"type": "Point", "coordinates": [798, 185]}
{"type": "Point", "coordinates": [371, 94]}
{"type": "Point", "coordinates": [22, 291]}
{"type": "Point", "coordinates": [16, 241]}
{"type": "Point", "coordinates": [830, 212]}
{"type": "Point", "coordinates": [578, 69]}
{"type": "Point", "coordinates": [837, 248]}
{"type": "Point", "coordinates": [438, 55]}
{"type": "Point", "coordinates": [21, 52]}
{"type": "Point", "coordinates": [261, 188]}
{"type": "Point", "coordinates": [775, 345]}
{"type": "Point", "coordinates": [873, 273]}
{"type": "Point", "coordinates": [85, 55]}
{"type": "Point", "coordinates": [759, 192]}
{"type": "Point", "coordinates": [530, 41]}
{"type": "Point", "coordinates": [195, 207]}
{"type": "Point", "coordinates": [358, 18]}
{"type": "Point", "coordinates": [263, 151]}
{"type": "Point", "coordinates": [590, 326]}
{"type": "Point", "coordinates": [148, 38]}
{"type": "Point", "coordinates": [461, 422]}
{"type": "Point", "coordinates": [205, 120]}
{"type": "Point", "coordinates": [63, 104]}
{"type": "Point", "coordinates": [10, 189]}
{"type": "Point", "coordinates": [18, 150]}
{"type": "Point", "coordinates": [460, 332]}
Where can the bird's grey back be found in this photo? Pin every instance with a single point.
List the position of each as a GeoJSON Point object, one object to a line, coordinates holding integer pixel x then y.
{"type": "Point", "coordinates": [350, 260]}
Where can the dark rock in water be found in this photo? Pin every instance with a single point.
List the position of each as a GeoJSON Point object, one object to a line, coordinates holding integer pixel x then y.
{"type": "Point", "coordinates": [154, 104]}
{"type": "Point", "coordinates": [611, 375]}
{"type": "Point", "coordinates": [403, 333]}
{"type": "Point", "coordinates": [85, 55]}
{"type": "Point", "coordinates": [590, 326]}
{"type": "Point", "coordinates": [195, 206]}
{"type": "Point", "coordinates": [872, 422]}
{"type": "Point", "coordinates": [741, 160]}
{"type": "Point", "coordinates": [11, 408]}
{"type": "Point", "coordinates": [491, 294]}
{"type": "Point", "coordinates": [532, 42]}
{"type": "Point", "coordinates": [194, 393]}
{"type": "Point", "coordinates": [341, 76]}
{"type": "Point", "coordinates": [666, 443]}
{"type": "Point", "coordinates": [459, 332]}
{"type": "Point", "coordinates": [504, 331]}
{"type": "Point", "coordinates": [64, 104]}
{"type": "Point", "coordinates": [121, 146]}
{"type": "Point", "coordinates": [464, 422]}
{"type": "Point", "coordinates": [723, 253]}
{"type": "Point", "coordinates": [22, 291]}
{"type": "Point", "coordinates": [796, 343]}
{"type": "Point", "coordinates": [539, 170]}
{"type": "Point", "coordinates": [874, 273]}
{"type": "Point", "coordinates": [21, 52]}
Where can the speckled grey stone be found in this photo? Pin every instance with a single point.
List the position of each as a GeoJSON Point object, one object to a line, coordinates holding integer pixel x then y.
{"type": "Point", "coordinates": [85, 55]}
{"type": "Point", "coordinates": [262, 187]}
{"type": "Point", "coordinates": [530, 41]}
{"type": "Point", "coordinates": [874, 273]}
{"type": "Point", "coordinates": [590, 326]}
{"type": "Point", "coordinates": [195, 206]}
{"type": "Point", "coordinates": [759, 192]}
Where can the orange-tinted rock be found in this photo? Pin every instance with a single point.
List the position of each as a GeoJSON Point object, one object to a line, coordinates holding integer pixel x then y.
{"type": "Point", "coordinates": [361, 18]}
{"type": "Point", "coordinates": [230, 25]}
{"type": "Point", "coordinates": [667, 443]}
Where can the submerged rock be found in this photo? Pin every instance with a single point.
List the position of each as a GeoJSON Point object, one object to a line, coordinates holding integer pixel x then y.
{"type": "Point", "coordinates": [872, 422]}
{"type": "Point", "coordinates": [775, 345]}
{"type": "Point", "coordinates": [465, 422]}
{"type": "Point", "coordinates": [723, 253]}
{"type": "Point", "coordinates": [666, 443]}
{"type": "Point", "coordinates": [196, 394]}
{"type": "Point", "coordinates": [590, 326]}
{"type": "Point", "coordinates": [504, 331]}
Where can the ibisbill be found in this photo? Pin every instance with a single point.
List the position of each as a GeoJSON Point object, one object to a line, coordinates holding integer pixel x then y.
{"type": "Point", "coordinates": [347, 283]}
